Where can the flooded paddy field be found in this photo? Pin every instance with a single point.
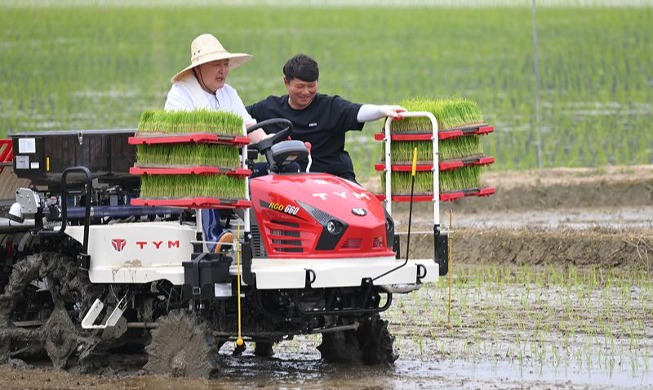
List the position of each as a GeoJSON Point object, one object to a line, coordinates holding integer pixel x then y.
{"type": "Point", "coordinates": [527, 305]}
{"type": "Point", "coordinates": [527, 327]}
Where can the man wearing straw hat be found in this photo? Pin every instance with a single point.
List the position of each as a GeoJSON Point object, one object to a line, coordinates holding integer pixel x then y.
{"type": "Point", "coordinates": [202, 85]}
{"type": "Point", "coordinates": [317, 118]}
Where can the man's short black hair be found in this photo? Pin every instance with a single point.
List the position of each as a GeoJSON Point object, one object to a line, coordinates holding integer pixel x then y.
{"type": "Point", "coordinates": [301, 67]}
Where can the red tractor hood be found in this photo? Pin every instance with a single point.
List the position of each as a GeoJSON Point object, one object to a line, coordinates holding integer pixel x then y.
{"type": "Point", "coordinates": [317, 215]}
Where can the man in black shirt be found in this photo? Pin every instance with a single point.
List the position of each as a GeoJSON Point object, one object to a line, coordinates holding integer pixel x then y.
{"type": "Point", "coordinates": [317, 118]}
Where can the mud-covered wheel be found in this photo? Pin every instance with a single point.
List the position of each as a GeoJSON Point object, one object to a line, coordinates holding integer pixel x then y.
{"type": "Point", "coordinates": [21, 275]}
{"type": "Point", "coordinates": [182, 346]}
{"type": "Point", "coordinates": [371, 343]}
{"type": "Point", "coordinates": [59, 337]}
{"type": "Point", "coordinates": [24, 301]}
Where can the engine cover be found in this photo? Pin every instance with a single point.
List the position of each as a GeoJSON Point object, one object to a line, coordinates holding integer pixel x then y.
{"type": "Point", "coordinates": [318, 215]}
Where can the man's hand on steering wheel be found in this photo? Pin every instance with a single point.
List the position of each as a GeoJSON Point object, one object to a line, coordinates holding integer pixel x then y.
{"type": "Point", "coordinates": [266, 143]}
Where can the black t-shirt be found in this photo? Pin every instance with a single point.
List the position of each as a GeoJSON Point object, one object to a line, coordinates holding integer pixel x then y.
{"type": "Point", "coordinates": [323, 123]}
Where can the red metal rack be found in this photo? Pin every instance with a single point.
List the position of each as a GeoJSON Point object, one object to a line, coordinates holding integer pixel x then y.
{"type": "Point", "coordinates": [240, 141]}
{"type": "Point", "coordinates": [479, 129]}
{"type": "Point", "coordinates": [435, 135]}
{"type": "Point", "coordinates": [436, 166]}
{"type": "Point", "coordinates": [444, 165]}
{"type": "Point", "coordinates": [444, 196]}
{"type": "Point", "coordinates": [194, 170]}
{"type": "Point", "coordinates": [199, 203]}
{"type": "Point", "coordinates": [209, 138]}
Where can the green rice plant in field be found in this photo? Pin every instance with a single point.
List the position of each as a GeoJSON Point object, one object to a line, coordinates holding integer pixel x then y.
{"type": "Point", "coordinates": [191, 186]}
{"type": "Point", "coordinates": [198, 121]}
{"type": "Point", "coordinates": [226, 156]}
{"type": "Point", "coordinates": [558, 316]}
{"type": "Point", "coordinates": [88, 67]}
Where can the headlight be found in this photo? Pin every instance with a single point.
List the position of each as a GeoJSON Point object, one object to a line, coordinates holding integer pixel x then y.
{"type": "Point", "coordinates": [334, 227]}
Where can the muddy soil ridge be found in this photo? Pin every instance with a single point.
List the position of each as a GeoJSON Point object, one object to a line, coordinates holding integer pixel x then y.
{"type": "Point", "coordinates": [556, 188]}
{"type": "Point", "coordinates": [564, 216]}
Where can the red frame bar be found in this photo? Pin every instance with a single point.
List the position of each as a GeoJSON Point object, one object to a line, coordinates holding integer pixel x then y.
{"type": "Point", "coordinates": [198, 170]}
{"type": "Point", "coordinates": [442, 134]}
{"type": "Point", "coordinates": [444, 196]}
{"type": "Point", "coordinates": [6, 150]}
{"type": "Point", "coordinates": [195, 203]}
{"type": "Point", "coordinates": [445, 165]}
{"type": "Point", "coordinates": [209, 138]}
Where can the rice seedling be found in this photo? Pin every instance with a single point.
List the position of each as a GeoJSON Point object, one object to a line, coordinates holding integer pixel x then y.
{"type": "Point", "coordinates": [175, 154]}
{"type": "Point", "coordinates": [519, 315]}
{"type": "Point", "coordinates": [468, 177]}
{"type": "Point", "coordinates": [198, 121]}
{"type": "Point", "coordinates": [447, 149]}
{"type": "Point", "coordinates": [224, 156]}
{"type": "Point", "coordinates": [449, 113]}
{"type": "Point", "coordinates": [401, 183]}
{"type": "Point", "coordinates": [192, 186]}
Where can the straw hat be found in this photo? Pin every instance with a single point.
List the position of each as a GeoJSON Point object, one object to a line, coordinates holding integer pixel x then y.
{"type": "Point", "coordinates": [207, 48]}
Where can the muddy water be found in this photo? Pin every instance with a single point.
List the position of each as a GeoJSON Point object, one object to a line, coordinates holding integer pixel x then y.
{"type": "Point", "coordinates": [640, 217]}
{"type": "Point", "coordinates": [505, 328]}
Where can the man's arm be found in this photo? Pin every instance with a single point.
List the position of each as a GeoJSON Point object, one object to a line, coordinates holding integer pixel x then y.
{"type": "Point", "coordinates": [258, 134]}
{"type": "Point", "coordinates": [372, 112]}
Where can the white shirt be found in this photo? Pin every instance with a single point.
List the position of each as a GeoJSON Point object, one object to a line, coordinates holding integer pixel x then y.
{"type": "Point", "coordinates": [187, 95]}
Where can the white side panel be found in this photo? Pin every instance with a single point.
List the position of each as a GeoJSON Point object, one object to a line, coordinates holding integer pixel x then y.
{"type": "Point", "coordinates": [136, 252]}
{"type": "Point", "coordinates": [291, 273]}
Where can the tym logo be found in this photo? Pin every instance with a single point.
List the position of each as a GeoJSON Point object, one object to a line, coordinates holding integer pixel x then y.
{"type": "Point", "coordinates": [157, 244]}
{"type": "Point", "coordinates": [343, 195]}
{"type": "Point", "coordinates": [119, 244]}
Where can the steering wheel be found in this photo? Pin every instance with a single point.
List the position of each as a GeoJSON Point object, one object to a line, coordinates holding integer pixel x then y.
{"type": "Point", "coordinates": [265, 144]}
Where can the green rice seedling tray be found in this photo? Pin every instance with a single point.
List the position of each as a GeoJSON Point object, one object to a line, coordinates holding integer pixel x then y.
{"type": "Point", "coordinates": [196, 203]}
{"type": "Point", "coordinates": [466, 179]}
{"type": "Point", "coordinates": [195, 121]}
{"type": "Point", "coordinates": [445, 165]}
{"type": "Point", "coordinates": [188, 154]}
{"type": "Point", "coordinates": [182, 185]}
{"type": "Point", "coordinates": [195, 170]}
{"type": "Point", "coordinates": [224, 139]}
{"type": "Point", "coordinates": [444, 197]}
{"type": "Point", "coordinates": [453, 195]}
{"type": "Point", "coordinates": [427, 135]}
